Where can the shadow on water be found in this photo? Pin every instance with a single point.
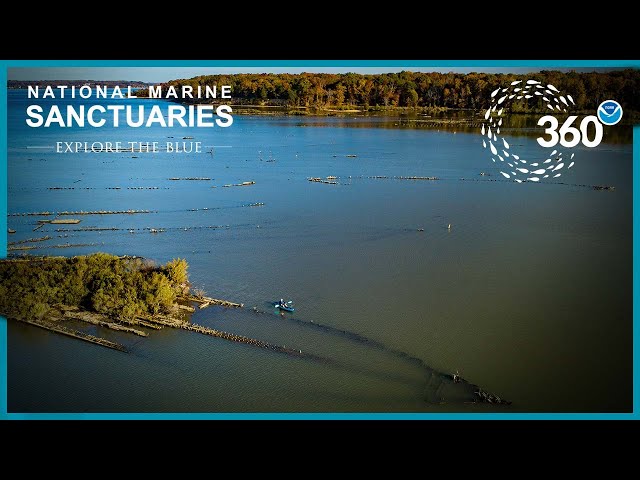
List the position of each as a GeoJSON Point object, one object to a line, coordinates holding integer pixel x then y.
{"type": "Point", "coordinates": [440, 387]}
{"type": "Point", "coordinates": [375, 374]}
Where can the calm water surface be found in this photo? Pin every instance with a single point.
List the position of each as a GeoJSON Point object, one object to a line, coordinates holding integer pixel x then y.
{"type": "Point", "coordinates": [528, 294]}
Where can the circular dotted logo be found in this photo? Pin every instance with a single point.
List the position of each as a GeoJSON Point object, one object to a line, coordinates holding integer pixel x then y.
{"type": "Point", "coordinates": [513, 165]}
{"type": "Point", "coordinates": [610, 112]}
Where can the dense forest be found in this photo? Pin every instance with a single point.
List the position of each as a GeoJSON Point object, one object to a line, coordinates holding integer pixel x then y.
{"type": "Point", "coordinates": [121, 287]}
{"type": "Point", "coordinates": [416, 90]}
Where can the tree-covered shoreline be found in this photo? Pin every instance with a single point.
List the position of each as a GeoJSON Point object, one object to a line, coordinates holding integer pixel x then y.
{"type": "Point", "coordinates": [414, 89]}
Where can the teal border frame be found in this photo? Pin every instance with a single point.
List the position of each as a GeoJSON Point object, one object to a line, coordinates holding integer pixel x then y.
{"type": "Point", "coordinates": [4, 415]}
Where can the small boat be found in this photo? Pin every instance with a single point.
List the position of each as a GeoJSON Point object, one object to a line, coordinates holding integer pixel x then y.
{"type": "Point", "coordinates": [286, 306]}
{"type": "Point", "coordinates": [11, 230]}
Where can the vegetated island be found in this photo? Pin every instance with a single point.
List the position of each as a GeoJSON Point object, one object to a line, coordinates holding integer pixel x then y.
{"type": "Point", "coordinates": [127, 294]}
{"type": "Point", "coordinates": [132, 295]}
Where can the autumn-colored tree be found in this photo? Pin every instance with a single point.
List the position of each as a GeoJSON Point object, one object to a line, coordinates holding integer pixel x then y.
{"type": "Point", "coordinates": [432, 89]}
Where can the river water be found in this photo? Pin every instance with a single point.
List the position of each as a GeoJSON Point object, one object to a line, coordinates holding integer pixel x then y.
{"type": "Point", "coordinates": [528, 294]}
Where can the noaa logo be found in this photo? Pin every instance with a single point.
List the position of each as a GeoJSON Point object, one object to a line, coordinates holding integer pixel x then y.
{"type": "Point", "coordinates": [610, 112]}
